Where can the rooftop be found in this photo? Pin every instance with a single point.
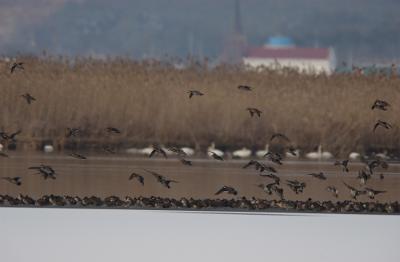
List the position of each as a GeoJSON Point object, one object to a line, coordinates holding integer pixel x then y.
{"type": "Point", "coordinates": [287, 52]}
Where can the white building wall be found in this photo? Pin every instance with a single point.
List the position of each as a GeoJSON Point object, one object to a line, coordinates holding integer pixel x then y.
{"type": "Point", "coordinates": [307, 65]}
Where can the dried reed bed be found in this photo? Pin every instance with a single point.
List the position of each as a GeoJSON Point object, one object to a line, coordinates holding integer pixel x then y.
{"type": "Point", "coordinates": [148, 101]}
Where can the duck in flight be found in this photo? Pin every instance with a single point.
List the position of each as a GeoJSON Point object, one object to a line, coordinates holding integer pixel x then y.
{"type": "Point", "coordinates": [216, 156]}
{"type": "Point", "coordinates": [344, 164]}
{"type": "Point", "coordinates": [274, 157]}
{"type": "Point", "coordinates": [10, 137]}
{"type": "Point", "coordinates": [245, 88]}
{"type": "Point", "coordinates": [296, 186]}
{"type": "Point", "coordinates": [45, 170]}
{"type": "Point", "coordinates": [113, 130]}
{"type": "Point", "coordinates": [177, 151]}
{"type": "Point", "coordinates": [333, 190]}
{"type": "Point", "coordinates": [186, 162]}
{"type": "Point", "coordinates": [138, 177]}
{"type": "Point", "coordinates": [274, 177]}
{"type": "Point", "coordinates": [354, 192]}
{"type": "Point", "coordinates": [109, 149]}
{"type": "Point", "coordinates": [28, 98]}
{"type": "Point", "coordinates": [280, 136]}
{"type": "Point", "coordinates": [158, 150]}
{"type": "Point", "coordinates": [363, 176]}
{"type": "Point", "coordinates": [380, 104]}
{"type": "Point", "coordinates": [371, 192]}
{"type": "Point", "coordinates": [17, 65]}
{"type": "Point", "coordinates": [319, 175]}
{"type": "Point", "coordinates": [292, 151]}
{"type": "Point", "coordinates": [77, 156]}
{"type": "Point", "coordinates": [227, 189]}
{"type": "Point", "coordinates": [13, 180]}
{"type": "Point", "coordinates": [72, 131]}
{"type": "Point", "coordinates": [161, 179]}
{"type": "Point", "coordinates": [260, 166]}
{"type": "Point", "coordinates": [375, 164]}
{"type": "Point", "coordinates": [254, 111]}
{"type": "Point", "coordinates": [268, 188]}
{"type": "Point", "coordinates": [2, 154]}
{"type": "Point", "coordinates": [194, 93]}
{"type": "Point", "coordinates": [383, 124]}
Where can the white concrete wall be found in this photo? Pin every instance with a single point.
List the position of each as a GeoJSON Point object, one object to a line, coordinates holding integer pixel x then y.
{"type": "Point", "coordinates": [307, 65]}
{"type": "Point", "coordinates": [83, 235]}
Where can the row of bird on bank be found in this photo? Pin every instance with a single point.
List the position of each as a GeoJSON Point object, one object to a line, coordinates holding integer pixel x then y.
{"type": "Point", "coordinates": [196, 204]}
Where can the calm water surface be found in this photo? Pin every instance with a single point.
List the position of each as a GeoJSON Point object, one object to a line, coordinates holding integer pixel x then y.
{"type": "Point", "coordinates": [103, 175]}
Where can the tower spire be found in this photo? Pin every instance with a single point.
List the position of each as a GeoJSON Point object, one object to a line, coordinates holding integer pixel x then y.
{"type": "Point", "coordinates": [237, 19]}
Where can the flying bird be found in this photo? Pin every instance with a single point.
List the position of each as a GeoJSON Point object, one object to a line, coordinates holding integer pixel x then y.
{"type": "Point", "coordinates": [280, 136]}
{"type": "Point", "coordinates": [109, 149]}
{"type": "Point", "coordinates": [363, 176]}
{"type": "Point", "coordinates": [254, 111]}
{"type": "Point", "coordinates": [2, 154]}
{"type": "Point", "coordinates": [15, 66]}
{"type": "Point", "coordinates": [245, 88]}
{"type": "Point", "coordinates": [10, 137]}
{"type": "Point", "coordinates": [383, 124]}
{"type": "Point", "coordinates": [319, 175]}
{"type": "Point", "coordinates": [276, 179]}
{"type": "Point", "coordinates": [292, 150]}
{"type": "Point", "coordinates": [354, 192]}
{"type": "Point", "coordinates": [333, 190]}
{"type": "Point", "coordinates": [78, 156]}
{"type": "Point", "coordinates": [274, 157]}
{"type": "Point", "coordinates": [186, 162]}
{"type": "Point", "coordinates": [260, 166]}
{"type": "Point", "coordinates": [216, 156]}
{"type": "Point", "coordinates": [177, 151]}
{"type": "Point", "coordinates": [380, 104]}
{"type": "Point", "coordinates": [13, 180]}
{"type": "Point", "coordinates": [343, 163]}
{"type": "Point", "coordinates": [139, 178]}
{"type": "Point", "coordinates": [161, 179]}
{"type": "Point", "coordinates": [113, 130]}
{"type": "Point", "coordinates": [268, 188]}
{"type": "Point", "coordinates": [296, 186]}
{"type": "Point", "coordinates": [157, 149]}
{"type": "Point", "coordinates": [227, 189]}
{"type": "Point", "coordinates": [45, 170]}
{"type": "Point", "coordinates": [375, 164]}
{"type": "Point", "coordinates": [371, 192]}
{"type": "Point", "coordinates": [72, 131]}
{"type": "Point", "coordinates": [194, 93]}
{"type": "Point", "coordinates": [29, 98]}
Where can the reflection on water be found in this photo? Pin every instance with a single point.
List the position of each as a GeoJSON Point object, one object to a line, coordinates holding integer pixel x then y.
{"type": "Point", "coordinates": [105, 175]}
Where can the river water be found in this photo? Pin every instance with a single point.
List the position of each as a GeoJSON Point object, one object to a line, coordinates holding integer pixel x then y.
{"type": "Point", "coordinates": [103, 175]}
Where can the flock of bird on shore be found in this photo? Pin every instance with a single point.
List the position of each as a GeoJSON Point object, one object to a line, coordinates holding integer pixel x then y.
{"type": "Point", "coordinates": [274, 187]}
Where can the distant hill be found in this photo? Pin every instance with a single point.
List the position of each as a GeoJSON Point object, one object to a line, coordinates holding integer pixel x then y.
{"type": "Point", "coordinates": [358, 29]}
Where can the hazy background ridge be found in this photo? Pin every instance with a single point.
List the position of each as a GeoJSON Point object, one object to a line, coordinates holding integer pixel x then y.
{"type": "Point", "coordinates": [359, 30]}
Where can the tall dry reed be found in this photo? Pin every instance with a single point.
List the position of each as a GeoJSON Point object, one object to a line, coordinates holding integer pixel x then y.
{"type": "Point", "coordinates": [148, 101]}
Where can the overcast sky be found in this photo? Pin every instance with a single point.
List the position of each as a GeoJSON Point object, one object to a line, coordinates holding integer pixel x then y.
{"type": "Point", "coordinates": [356, 29]}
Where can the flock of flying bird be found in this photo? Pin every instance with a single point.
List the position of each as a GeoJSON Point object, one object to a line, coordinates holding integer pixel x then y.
{"type": "Point", "coordinates": [268, 171]}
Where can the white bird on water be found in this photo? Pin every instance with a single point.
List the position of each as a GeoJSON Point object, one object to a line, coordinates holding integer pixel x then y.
{"type": "Point", "coordinates": [319, 155]}
{"type": "Point", "coordinates": [48, 148]}
{"type": "Point", "coordinates": [261, 153]}
{"type": "Point", "coordinates": [212, 148]}
{"type": "Point", "coordinates": [242, 153]}
{"type": "Point", "coordinates": [188, 151]}
{"type": "Point", "coordinates": [354, 156]}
